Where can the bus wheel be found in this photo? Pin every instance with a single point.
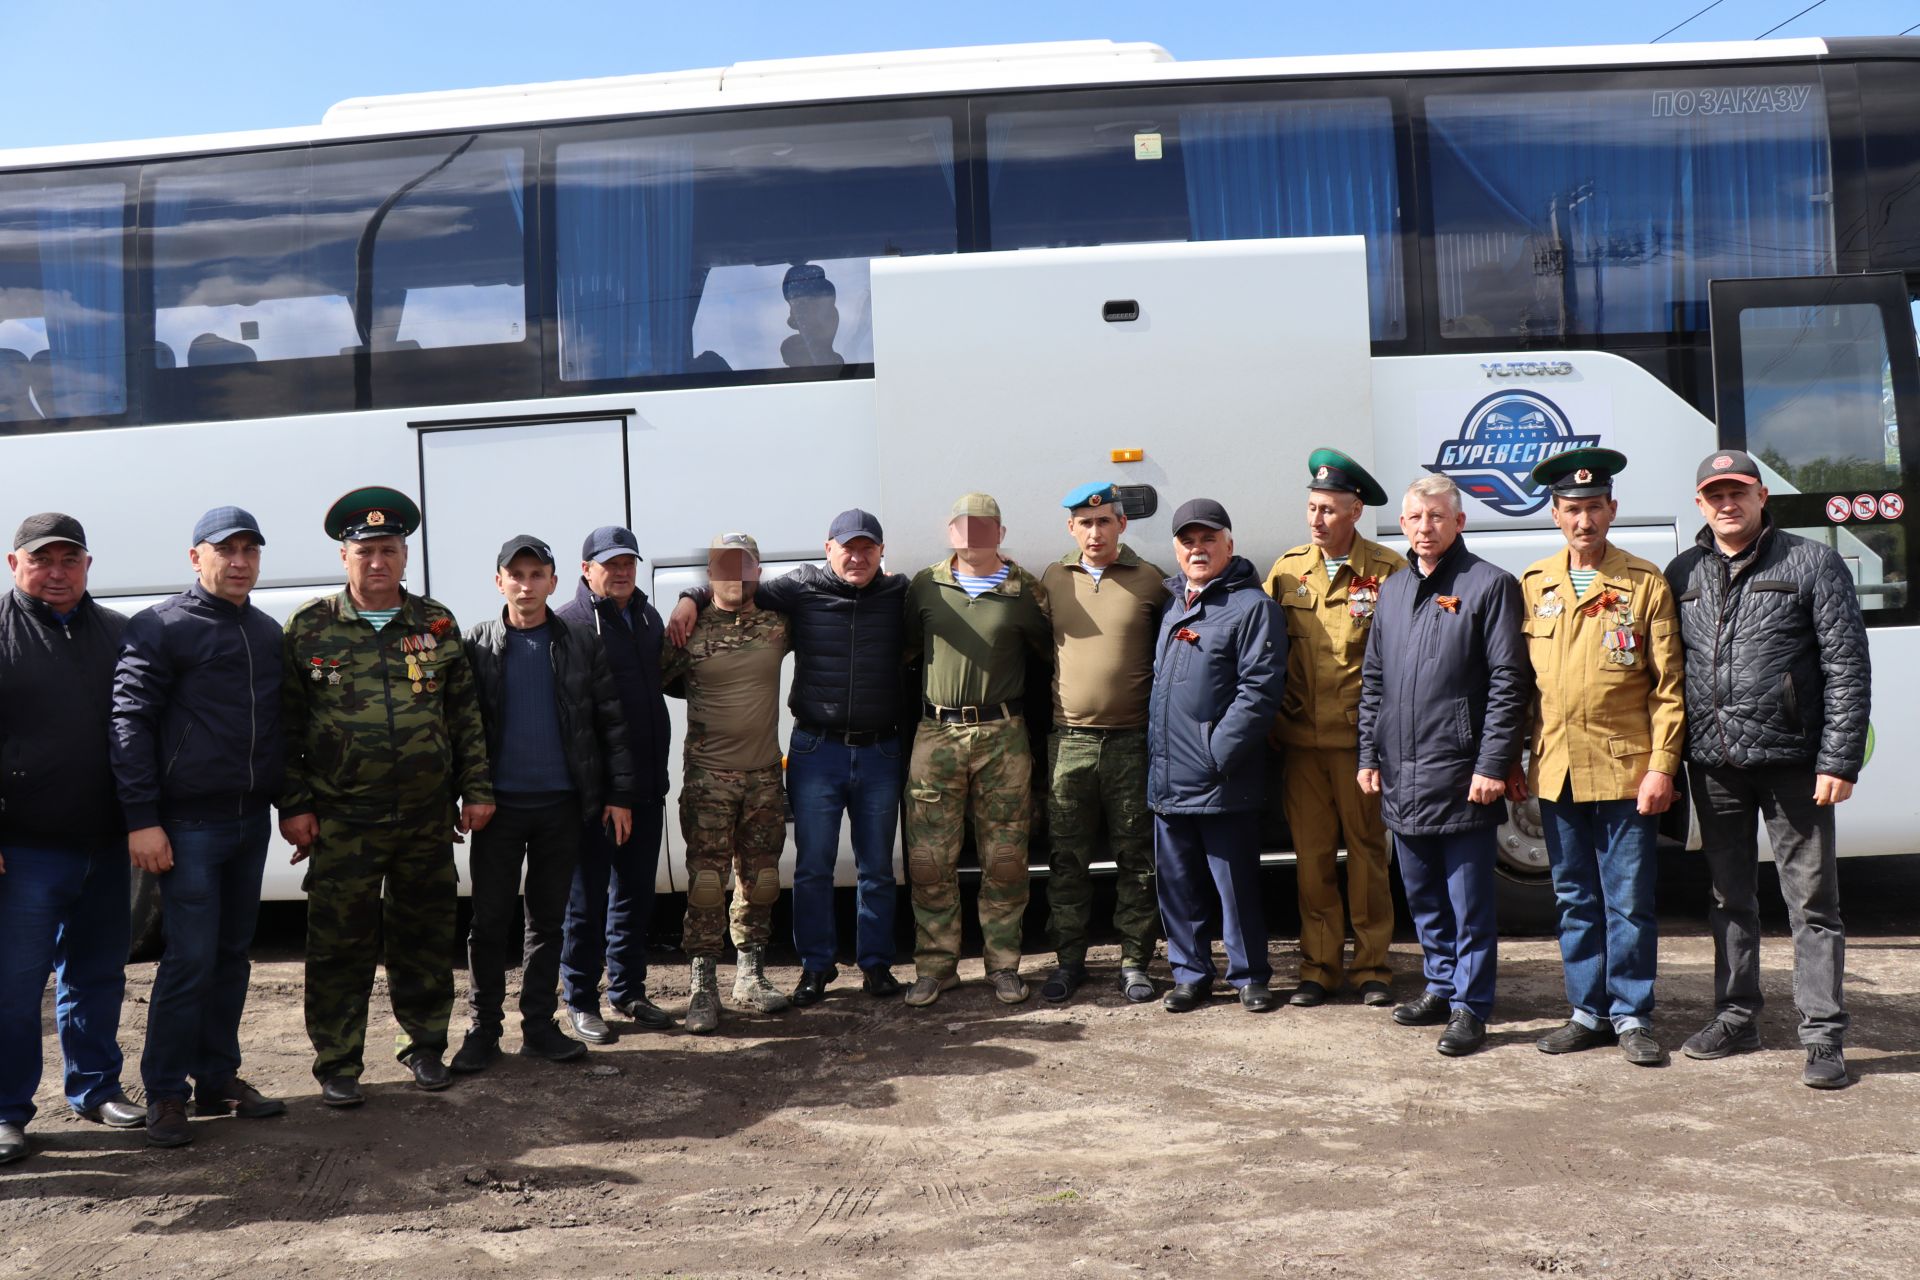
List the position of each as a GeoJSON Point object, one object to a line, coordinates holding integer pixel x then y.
{"type": "Point", "coordinates": [1523, 883]}
{"type": "Point", "coordinates": [146, 935]}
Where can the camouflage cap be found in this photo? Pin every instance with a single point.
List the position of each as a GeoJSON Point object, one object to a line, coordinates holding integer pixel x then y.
{"type": "Point", "coordinates": [735, 542]}
{"type": "Point", "coordinates": [976, 504]}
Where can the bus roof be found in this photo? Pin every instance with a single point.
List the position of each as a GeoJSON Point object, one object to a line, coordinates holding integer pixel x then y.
{"type": "Point", "coordinates": [982, 68]}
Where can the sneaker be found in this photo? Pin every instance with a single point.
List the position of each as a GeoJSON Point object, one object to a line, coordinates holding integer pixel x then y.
{"type": "Point", "coordinates": [1008, 986]}
{"type": "Point", "coordinates": [1574, 1037]}
{"type": "Point", "coordinates": [167, 1123]}
{"type": "Point", "coordinates": [1641, 1049]}
{"type": "Point", "coordinates": [480, 1050]}
{"type": "Point", "coordinates": [236, 1098]}
{"type": "Point", "coordinates": [1721, 1039]}
{"type": "Point", "coordinates": [926, 990]}
{"type": "Point", "coordinates": [1826, 1068]}
{"type": "Point", "coordinates": [545, 1040]}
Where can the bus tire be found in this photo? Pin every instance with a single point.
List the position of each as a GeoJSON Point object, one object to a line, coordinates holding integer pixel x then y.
{"type": "Point", "coordinates": [1525, 905]}
{"type": "Point", "coordinates": [147, 934]}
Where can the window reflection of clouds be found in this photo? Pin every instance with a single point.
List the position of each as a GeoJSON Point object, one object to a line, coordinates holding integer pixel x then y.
{"type": "Point", "coordinates": [62, 327]}
{"type": "Point", "coordinates": [1811, 379]}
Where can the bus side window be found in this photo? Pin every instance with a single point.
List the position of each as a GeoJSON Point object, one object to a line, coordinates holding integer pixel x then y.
{"type": "Point", "coordinates": [63, 324]}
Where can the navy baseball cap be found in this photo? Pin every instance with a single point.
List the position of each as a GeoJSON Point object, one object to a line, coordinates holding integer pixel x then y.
{"type": "Point", "coordinates": [222, 523]}
{"type": "Point", "coordinates": [854, 523]}
{"type": "Point", "coordinates": [608, 542]}
{"type": "Point", "coordinates": [1201, 511]}
{"type": "Point", "coordinates": [523, 542]}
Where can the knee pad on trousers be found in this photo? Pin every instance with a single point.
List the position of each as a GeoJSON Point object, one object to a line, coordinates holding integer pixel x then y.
{"type": "Point", "coordinates": [1005, 866]}
{"type": "Point", "coordinates": [765, 889]}
{"type": "Point", "coordinates": [707, 890]}
{"type": "Point", "coordinates": [920, 868]}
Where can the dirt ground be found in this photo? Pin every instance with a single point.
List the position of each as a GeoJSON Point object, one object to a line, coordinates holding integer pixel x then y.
{"type": "Point", "coordinates": [862, 1138]}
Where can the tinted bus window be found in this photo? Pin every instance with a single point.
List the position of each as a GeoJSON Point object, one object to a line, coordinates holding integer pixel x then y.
{"type": "Point", "coordinates": [1588, 211]}
{"type": "Point", "coordinates": [737, 249]}
{"type": "Point", "coordinates": [1141, 170]}
{"type": "Point", "coordinates": [63, 320]}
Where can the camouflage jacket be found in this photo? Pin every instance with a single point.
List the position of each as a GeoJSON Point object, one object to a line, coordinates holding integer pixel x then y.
{"type": "Point", "coordinates": [374, 745]}
{"type": "Point", "coordinates": [729, 673]}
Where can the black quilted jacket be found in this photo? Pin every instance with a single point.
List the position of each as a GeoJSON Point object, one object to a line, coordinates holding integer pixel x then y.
{"type": "Point", "coordinates": [1777, 665]}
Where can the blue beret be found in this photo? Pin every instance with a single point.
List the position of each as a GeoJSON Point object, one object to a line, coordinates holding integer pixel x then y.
{"type": "Point", "coordinates": [1097, 494]}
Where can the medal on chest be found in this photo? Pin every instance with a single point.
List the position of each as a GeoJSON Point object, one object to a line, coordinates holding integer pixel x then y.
{"type": "Point", "coordinates": [1550, 605]}
{"type": "Point", "coordinates": [418, 649]}
{"type": "Point", "coordinates": [1362, 596]}
{"type": "Point", "coordinates": [1620, 643]}
{"type": "Point", "coordinates": [327, 669]}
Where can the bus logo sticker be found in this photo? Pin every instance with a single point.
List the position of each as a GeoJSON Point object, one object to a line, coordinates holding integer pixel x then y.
{"type": "Point", "coordinates": [1891, 506]}
{"type": "Point", "coordinates": [1838, 509]}
{"type": "Point", "coordinates": [1502, 439]}
{"type": "Point", "coordinates": [1864, 507]}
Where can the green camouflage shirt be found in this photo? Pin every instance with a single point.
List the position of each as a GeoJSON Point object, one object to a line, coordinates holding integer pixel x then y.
{"type": "Point", "coordinates": [729, 673]}
{"type": "Point", "coordinates": [367, 747]}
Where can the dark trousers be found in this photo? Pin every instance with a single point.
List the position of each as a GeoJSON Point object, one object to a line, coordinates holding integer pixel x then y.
{"type": "Point", "coordinates": [825, 779]}
{"type": "Point", "coordinates": [62, 911]}
{"type": "Point", "coordinates": [609, 907]}
{"type": "Point", "coordinates": [1189, 848]}
{"type": "Point", "coordinates": [546, 838]}
{"type": "Point", "coordinates": [211, 899]}
{"type": "Point", "coordinates": [1729, 802]}
{"type": "Point", "coordinates": [1449, 880]}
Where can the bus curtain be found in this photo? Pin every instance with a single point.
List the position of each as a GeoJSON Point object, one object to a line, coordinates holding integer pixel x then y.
{"type": "Point", "coordinates": [625, 259]}
{"type": "Point", "coordinates": [80, 234]}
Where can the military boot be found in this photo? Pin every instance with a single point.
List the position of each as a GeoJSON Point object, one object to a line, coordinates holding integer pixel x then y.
{"type": "Point", "coordinates": [750, 985]}
{"type": "Point", "coordinates": [703, 999]}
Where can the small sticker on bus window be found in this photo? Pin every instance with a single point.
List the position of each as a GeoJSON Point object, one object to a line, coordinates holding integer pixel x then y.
{"type": "Point", "coordinates": [1146, 146]}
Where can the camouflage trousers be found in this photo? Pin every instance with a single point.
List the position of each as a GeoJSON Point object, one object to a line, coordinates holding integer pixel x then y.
{"type": "Point", "coordinates": [374, 888]}
{"type": "Point", "coordinates": [735, 824]}
{"type": "Point", "coordinates": [1096, 779]}
{"type": "Point", "coordinates": [961, 771]}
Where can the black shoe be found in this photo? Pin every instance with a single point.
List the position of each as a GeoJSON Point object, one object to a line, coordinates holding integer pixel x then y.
{"type": "Point", "coordinates": [13, 1143]}
{"type": "Point", "coordinates": [341, 1091]}
{"type": "Point", "coordinates": [878, 981]}
{"type": "Point", "coordinates": [812, 988]}
{"type": "Point", "coordinates": [480, 1050]}
{"type": "Point", "coordinates": [1062, 983]}
{"type": "Point", "coordinates": [236, 1098]}
{"type": "Point", "coordinates": [1376, 994]}
{"type": "Point", "coordinates": [1256, 998]}
{"type": "Point", "coordinates": [1463, 1035]}
{"type": "Point", "coordinates": [1641, 1049]}
{"type": "Point", "coordinates": [1574, 1037]}
{"type": "Point", "coordinates": [591, 1027]}
{"type": "Point", "coordinates": [1424, 1010]}
{"type": "Point", "coordinates": [1721, 1039]}
{"type": "Point", "coordinates": [115, 1112]}
{"type": "Point", "coordinates": [167, 1123]}
{"type": "Point", "coordinates": [1308, 995]}
{"type": "Point", "coordinates": [545, 1040]}
{"type": "Point", "coordinates": [1135, 985]}
{"type": "Point", "coordinates": [643, 1012]}
{"type": "Point", "coordinates": [1826, 1068]}
{"type": "Point", "coordinates": [429, 1072]}
{"type": "Point", "coordinates": [1187, 996]}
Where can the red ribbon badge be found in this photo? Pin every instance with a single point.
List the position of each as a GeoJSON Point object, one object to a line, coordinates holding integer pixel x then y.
{"type": "Point", "coordinates": [441, 626]}
{"type": "Point", "coordinates": [1450, 603]}
{"type": "Point", "coordinates": [1605, 601]}
{"type": "Point", "coordinates": [1368, 583]}
{"type": "Point", "coordinates": [1191, 637]}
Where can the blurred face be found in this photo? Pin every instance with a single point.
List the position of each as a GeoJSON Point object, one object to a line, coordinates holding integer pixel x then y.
{"type": "Point", "coordinates": [732, 573]}
{"type": "Point", "coordinates": [613, 579]}
{"type": "Point", "coordinates": [1733, 510]}
{"type": "Point", "coordinates": [1331, 517]}
{"type": "Point", "coordinates": [55, 575]}
{"type": "Point", "coordinates": [855, 561]}
{"type": "Point", "coordinates": [1097, 530]}
{"type": "Point", "coordinates": [526, 582]}
{"type": "Point", "coordinates": [1585, 522]}
{"type": "Point", "coordinates": [1431, 523]}
{"type": "Point", "coordinates": [975, 533]}
{"type": "Point", "coordinates": [1202, 552]}
{"type": "Point", "coordinates": [228, 568]}
{"type": "Point", "coordinates": [374, 568]}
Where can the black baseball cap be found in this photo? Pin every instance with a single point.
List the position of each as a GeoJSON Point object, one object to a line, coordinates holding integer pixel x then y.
{"type": "Point", "coordinates": [526, 542]}
{"type": "Point", "coordinates": [854, 523]}
{"type": "Point", "coordinates": [1727, 464]}
{"type": "Point", "coordinates": [609, 542]}
{"type": "Point", "coordinates": [1202, 511]}
{"type": "Point", "coordinates": [46, 529]}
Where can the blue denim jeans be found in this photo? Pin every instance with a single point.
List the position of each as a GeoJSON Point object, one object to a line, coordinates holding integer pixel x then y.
{"type": "Point", "coordinates": [1604, 868]}
{"type": "Point", "coordinates": [64, 911]}
{"type": "Point", "coordinates": [1449, 881]}
{"type": "Point", "coordinates": [826, 778]}
{"type": "Point", "coordinates": [609, 908]}
{"type": "Point", "coordinates": [211, 899]}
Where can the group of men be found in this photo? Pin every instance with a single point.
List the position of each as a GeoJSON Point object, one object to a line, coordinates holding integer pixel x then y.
{"type": "Point", "coordinates": [1402, 694]}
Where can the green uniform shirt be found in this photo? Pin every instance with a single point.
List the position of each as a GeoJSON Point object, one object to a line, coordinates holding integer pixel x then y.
{"type": "Point", "coordinates": [974, 649]}
{"type": "Point", "coordinates": [369, 747]}
{"type": "Point", "coordinates": [1104, 633]}
{"type": "Point", "coordinates": [729, 673]}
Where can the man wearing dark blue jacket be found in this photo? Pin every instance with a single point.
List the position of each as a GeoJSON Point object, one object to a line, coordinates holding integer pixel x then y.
{"type": "Point", "coordinates": [611, 901]}
{"type": "Point", "coordinates": [1444, 697]}
{"type": "Point", "coordinates": [198, 757]}
{"type": "Point", "coordinates": [1219, 667]}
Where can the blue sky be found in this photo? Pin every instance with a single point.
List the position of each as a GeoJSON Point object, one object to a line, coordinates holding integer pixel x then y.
{"type": "Point", "coordinates": [99, 70]}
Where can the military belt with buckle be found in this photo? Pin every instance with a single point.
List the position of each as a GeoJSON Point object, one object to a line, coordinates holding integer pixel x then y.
{"type": "Point", "coordinates": [969, 715]}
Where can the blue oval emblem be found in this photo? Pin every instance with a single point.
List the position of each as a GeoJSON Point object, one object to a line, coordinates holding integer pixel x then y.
{"type": "Point", "coordinates": [1503, 439]}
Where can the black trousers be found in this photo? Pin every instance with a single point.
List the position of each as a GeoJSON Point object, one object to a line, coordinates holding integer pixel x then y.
{"type": "Point", "coordinates": [547, 839]}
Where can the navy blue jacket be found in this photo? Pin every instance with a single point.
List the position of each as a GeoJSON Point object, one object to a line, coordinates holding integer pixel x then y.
{"type": "Point", "coordinates": [633, 654]}
{"type": "Point", "coordinates": [56, 694]}
{"type": "Point", "coordinates": [196, 711]}
{"type": "Point", "coordinates": [1444, 693]}
{"type": "Point", "coordinates": [1214, 694]}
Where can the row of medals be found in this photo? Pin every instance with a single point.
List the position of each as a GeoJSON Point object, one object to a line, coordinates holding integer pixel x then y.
{"type": "Point", "coordinates": [1360, 600]}
{"type": "Point", "coordinates": [1618, 640]}
{"type": "Point", "coordinates": [415, 647]}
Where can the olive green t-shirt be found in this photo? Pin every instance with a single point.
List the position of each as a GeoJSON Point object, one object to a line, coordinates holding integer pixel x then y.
{"type": "Point", "coordinates": [729, 673]}
{"type": "Point", "coordinates": [975, 647]}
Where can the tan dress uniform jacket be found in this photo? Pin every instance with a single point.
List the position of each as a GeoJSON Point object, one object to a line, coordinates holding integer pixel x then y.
{"type": "Point", "coordinates": [1325, 641]}
{"type": "Point", "coordinates": [1601, 721]}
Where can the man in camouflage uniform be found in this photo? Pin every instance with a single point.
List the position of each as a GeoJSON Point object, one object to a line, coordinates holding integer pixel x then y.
{"type": "Point", "coordinates": [384, 738]}
{"type": "Point", "coordinates": [1326, 588]}
{"type": "Point", "coordinates": [1104, 602]}
{"type": "Point", "coordinates": [971, 619]}
{"type": "Point", "coordinates": [732, 802]}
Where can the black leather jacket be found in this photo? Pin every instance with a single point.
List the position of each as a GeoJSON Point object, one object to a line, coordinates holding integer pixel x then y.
{"type": "Point", "coordinates": [56, 696]}
{"type": "Point", "coordinates": [1777, 664]}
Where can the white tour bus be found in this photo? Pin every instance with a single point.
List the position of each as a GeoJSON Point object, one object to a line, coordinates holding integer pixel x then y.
{"type": "Point", "coordinates": [544, 308]}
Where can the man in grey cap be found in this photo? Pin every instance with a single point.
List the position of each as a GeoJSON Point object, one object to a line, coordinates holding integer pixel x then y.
{"type": "Point", "coordinates": [199, 757]}
{"type": "Point", "coordinates": [63, 853]}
